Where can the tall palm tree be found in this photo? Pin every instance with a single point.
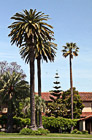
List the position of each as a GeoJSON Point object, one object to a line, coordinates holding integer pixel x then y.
{"type": "Point", "coordinates": [70, 50]}
{"type": "Point", "coordinates": [12, 89]}
{"type": "Point", "coordinates": [45, 50]}
{"type": "Point", "coordinates": [47, 54]}
{"type": "Point", "coordinates": [25, 31]}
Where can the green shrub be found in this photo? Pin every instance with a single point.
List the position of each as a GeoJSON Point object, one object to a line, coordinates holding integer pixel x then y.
{"type": "Point", "coordinates": [26, 131]}
{"type": "Point", "coordinates": [85, 132]}
{"type": "Point", "coordinates": [74, 131]}
{"type": "Point", "coordinates": [37, 132]}
{"type": "Point", "coordinates": [55, 124]}
{"type": "Point", "coordinates": [22, 122]}
{"type": "Point", "coordinates": [43, 131]}
{"type": "Point", "coordinates": [79, 132]}
{"type": "Point", "coordinates": [51, 123]}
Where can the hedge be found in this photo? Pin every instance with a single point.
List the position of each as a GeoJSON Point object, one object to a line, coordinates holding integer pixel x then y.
{"type": "Point", "coordinates": [51, 123]}
{"type": "Point", "coordinates": [60, 123]}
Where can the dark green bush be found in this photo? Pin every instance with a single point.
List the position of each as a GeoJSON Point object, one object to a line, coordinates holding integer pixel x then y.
{"type": "Point", "coordinates": [37, 132]}
{"type": "Point", "coordinates": [74, 131]}
{"type": "Point", "coordinates": [79, 132]}
{"type": "Point", "coordinates": [22, 122]}
{"type": "Point", "coordinates": [43, 131]}
{"type": "Point", "coordinates": [26, 131]}
{"type": "Point", "coordinates": [85, 132]}
{"type": "Point", "coordinates": [55, 124]}
{"type": "Point", "coordinates": [17, 121]}
{"type": "Point", "coordinates": [51, 123]}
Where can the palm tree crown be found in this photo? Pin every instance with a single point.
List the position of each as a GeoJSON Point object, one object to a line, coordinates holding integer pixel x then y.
{"type": "Point", "coordinates": [12, 86]}
{"type": "Point", "coordinates": [29, 25]}
{"type": "Point", "coordinates": [70, 49]}
{"type": "Point", "coordinates": [46, 51]}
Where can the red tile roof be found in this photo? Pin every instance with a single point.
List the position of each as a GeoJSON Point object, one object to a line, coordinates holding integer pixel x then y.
{"type": "Point", "coordinates": [45, 96]}
{"type": "Point", "coordinates": [85, 96]}
{"type": "Point", "coordinates": [87, 117]}
{"type": "Point", "coordinates": [84, 114]}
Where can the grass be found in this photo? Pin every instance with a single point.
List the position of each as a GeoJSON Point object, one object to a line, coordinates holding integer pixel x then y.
{"type": "Point", "coordinates": [41, 139]}
{"type": "Point", "coordinates": [50, 136]}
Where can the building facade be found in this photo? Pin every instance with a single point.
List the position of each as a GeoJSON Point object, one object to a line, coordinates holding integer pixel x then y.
{"type": "Point", "coordinates": [85, 122]}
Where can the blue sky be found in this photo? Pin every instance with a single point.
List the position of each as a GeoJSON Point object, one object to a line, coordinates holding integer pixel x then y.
{"type": "Point", "coordinates": [72, 22]}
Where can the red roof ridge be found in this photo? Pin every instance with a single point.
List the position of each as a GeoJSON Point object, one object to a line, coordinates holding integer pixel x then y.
{"type": "Point", "coordinates": [85, 92]}
{"type": "Point", "coordinates": [42, 92]}
{"type": "Point", "coordinates": [85, 96]}
{"type": "Point", "coordinates": [87, 117]}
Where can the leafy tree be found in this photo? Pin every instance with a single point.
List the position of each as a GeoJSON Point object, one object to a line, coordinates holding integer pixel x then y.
{"type": "Point", "coordinates": [56, 93]}
{"type": "Point", "coordinates": [70, 50]}
{"type": "Point", "coordinates": [26, 32]}
{"type": "Point", "coordinates": [77, 103]}
{"type": "Point", "coordinates": [40, 105]}
{"type": "Point", "coordinates": [24, 108]}
{"type": "Point", "coordinates": [11, 67]}
{"type": "Point", "coordinates": [55, 107]}
{"type": "Point", "coordinates": [62, 107]}
{"type": "Point", "coordinates": [13, 88]}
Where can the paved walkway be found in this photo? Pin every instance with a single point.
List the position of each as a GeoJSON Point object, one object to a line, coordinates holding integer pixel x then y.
{"type": "Point", "coordinates": [48, 137]}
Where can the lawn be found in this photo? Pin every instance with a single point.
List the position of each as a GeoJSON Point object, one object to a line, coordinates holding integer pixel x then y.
{"type": "Point", "coordinates": [42, 139]}
{"type": "Point", "coordinates": [47, 137]}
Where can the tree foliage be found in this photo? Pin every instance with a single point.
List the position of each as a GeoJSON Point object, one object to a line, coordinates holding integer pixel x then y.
{"type": "Point", "coordinates": [70, 49]}
{"type": "Point", "coordinates": [11, 67]}
{"type": "Point", "coordinates": [55, 124]}
{"type": "Point", "coordinates": [62, 107]}
{"type": "Point", "coordinates": [24, 107]}
{"type": "Point", "coordinates": [77, 103]}
{"type": "Point", "coordinates": [55, 107]}
{"type": "Point", "coordinates": [13, 88]}
{"type": "Point", "coordinates": [56, 93]}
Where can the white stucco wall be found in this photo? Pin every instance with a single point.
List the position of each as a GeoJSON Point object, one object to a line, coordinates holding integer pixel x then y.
{"type": "Point", "coordinates": [87, 107]}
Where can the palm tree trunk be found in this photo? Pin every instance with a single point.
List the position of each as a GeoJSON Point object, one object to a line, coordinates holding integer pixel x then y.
{"type": "Point", "coordinates": [39, 88]}
{"type": "Point", "coordinates": [9, 118]}
{"type": "Point", "coordinates": [39, 75]}
{"type": "Point", "coordinates": [36, 116]}
{"type": "Point", "coordinates": [71, 85]}
{"type": "Point", "coordinates": [32, 99]}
